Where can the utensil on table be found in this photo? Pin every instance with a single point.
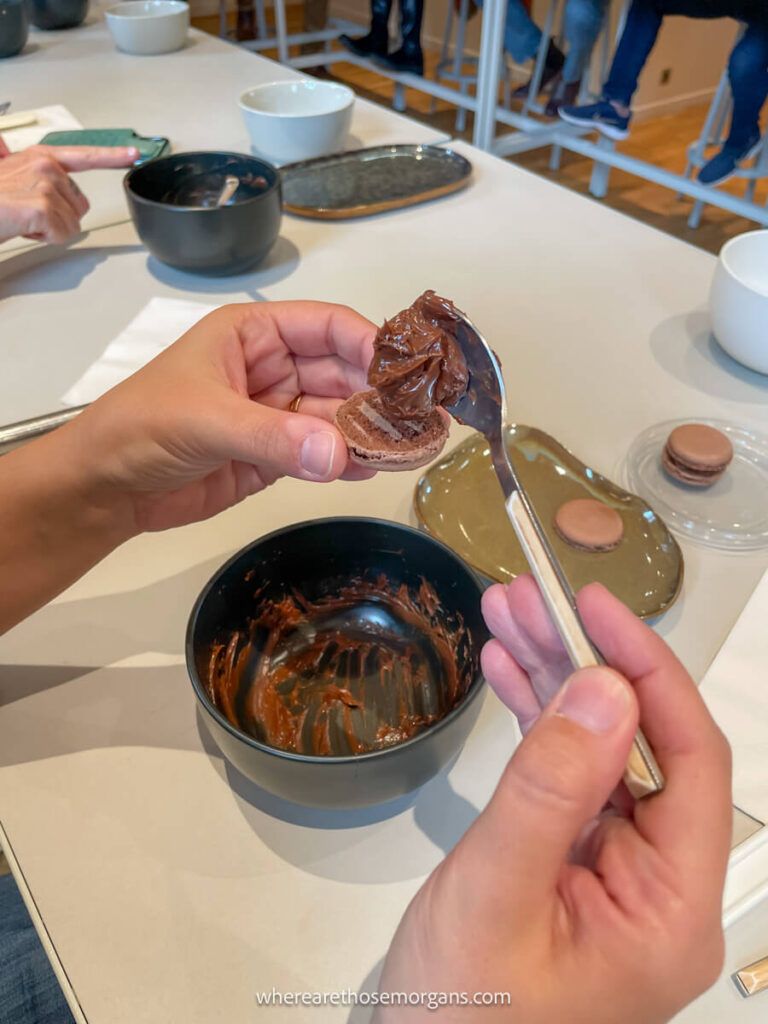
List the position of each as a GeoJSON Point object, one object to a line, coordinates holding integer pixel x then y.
{"type": "Point", "coordinates": [483, 406]}
{"type": "Point", "coordinates": [14, 434]}
{"type": "Point", "coordinates": [5, 107]}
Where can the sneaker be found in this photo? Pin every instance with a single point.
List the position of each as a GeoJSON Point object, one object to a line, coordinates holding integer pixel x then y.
{"type": "Point", "coordinates": [602, 116]}
{"type": "Point", "coordinates": [724, 164]}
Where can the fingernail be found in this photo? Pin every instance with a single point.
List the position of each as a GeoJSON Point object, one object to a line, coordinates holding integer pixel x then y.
{"type": "Point", "coordinates": [133, 153]}
{"type": "Point", "coordinates": [596, 699]}
{"type": "Point", "coordinates": [316, 454]}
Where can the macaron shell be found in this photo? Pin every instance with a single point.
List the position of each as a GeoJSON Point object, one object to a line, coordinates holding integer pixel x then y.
{"type": "Point", "coordinates": [589, 524]}
{"type": "Point", "coordinates": [699, 446]}
{"type": "Point", "coordinates": [379, 441]}
{"type": "Point", "coordinates": [687, 474]}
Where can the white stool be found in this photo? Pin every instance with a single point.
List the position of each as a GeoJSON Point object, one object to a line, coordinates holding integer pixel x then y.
{"type": "Point", "coordinates": [451, 66]}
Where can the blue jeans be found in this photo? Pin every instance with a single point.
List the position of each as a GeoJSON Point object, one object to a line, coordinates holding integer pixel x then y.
{"type": "Point", "coordinates": [583, 22]}
{"type": "Point", "coordinates": [29, 992]}
{"type": "Point", "coordinates": [747, 67]}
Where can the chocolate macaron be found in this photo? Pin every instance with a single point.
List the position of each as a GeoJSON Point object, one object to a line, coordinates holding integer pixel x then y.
{"type": "Point", "coordinates": [589, 525]}
{"type": "Point", "coordinates": [381, 441]}
{"type": "Point", "coordinates": [697, 454]}
{"type": "Point", "coordinates": [417, 368]}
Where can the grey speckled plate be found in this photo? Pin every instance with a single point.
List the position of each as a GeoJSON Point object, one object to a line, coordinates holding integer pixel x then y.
{"type": "Point", "coordinates": [368, 181]}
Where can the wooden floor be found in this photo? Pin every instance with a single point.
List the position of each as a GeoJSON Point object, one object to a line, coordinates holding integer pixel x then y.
{"type": "Point", "coordinates": [661, 140]}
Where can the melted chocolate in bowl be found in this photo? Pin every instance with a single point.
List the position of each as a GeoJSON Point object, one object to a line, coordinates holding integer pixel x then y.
{"type": "Point", "coordinates": [362, 667]}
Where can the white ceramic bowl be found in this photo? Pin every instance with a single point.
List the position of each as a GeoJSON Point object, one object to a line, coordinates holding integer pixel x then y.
{"type": "Point", "coordinates": [738, 301]}
{"type": "Point", "coordinates": [148, 27]}
{"type": "Point", "coordinates": [290, 121]}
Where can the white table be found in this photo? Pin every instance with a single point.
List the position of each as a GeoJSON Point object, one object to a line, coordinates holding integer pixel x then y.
{"type": "Point", "coordinates": [169, 889]}
{"type": "Point", "coordinates": [189, 96]}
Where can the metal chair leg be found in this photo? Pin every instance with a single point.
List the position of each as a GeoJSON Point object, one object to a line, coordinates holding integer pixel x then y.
{"type": "Point", "coordinates": [601, 173]}
{"type": "Point", "coordinates": [261, 19]}
{"type": "Point", "coordinates": [222, 19]}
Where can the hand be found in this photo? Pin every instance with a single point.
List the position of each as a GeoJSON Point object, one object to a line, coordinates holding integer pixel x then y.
{"type": "Point", "coordinates": [583, 915]}
{"type": "Point", "coordinates": [39, 200]}
{"type": "Point", "coordinates": [206, 423]}
{"type": "Point", "coordinates": [198, 429]}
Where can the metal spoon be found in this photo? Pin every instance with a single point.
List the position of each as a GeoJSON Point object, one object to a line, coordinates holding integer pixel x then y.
{"type": "Point", "coordinates": [483, 406]}
{"type": "Point", "coordinates": [231, 185]}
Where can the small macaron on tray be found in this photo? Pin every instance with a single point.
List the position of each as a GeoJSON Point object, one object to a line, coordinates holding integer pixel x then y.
{"type": "Point", "coordinates": [707, 478]}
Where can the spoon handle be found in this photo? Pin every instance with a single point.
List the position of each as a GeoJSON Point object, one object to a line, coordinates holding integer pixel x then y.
{"type": "Point", "coordinates": [642, 774]}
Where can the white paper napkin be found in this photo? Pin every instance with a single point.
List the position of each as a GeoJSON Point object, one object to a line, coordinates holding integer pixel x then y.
{"type": "Point", "coordinates": [736, 690]}
{"type": "Point", "coordinates": [49, 119]}
{"type": "Point", "coordinates": [157, 326]}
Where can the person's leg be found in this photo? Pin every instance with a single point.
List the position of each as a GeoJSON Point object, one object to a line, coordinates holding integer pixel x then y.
{"type": "Point", "coordinates": [637, 40]}
{"type": "Point", "coordinates": [29, 992]}
{"type": "Point", "coordinates": [522, 35]}
{"type": "Point", "coordinates": [583, 22]}
{"type": "Point", "coordinates": [748, 74]}
{"type": "Point", "coordinates": [409, 56]}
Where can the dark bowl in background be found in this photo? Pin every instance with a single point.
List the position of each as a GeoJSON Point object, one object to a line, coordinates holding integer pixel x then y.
{"type": "Point", "coordinates": [315, 558]}
{"type": "Point", "coordinates": [53, 14]}
{"type": "Point", "coordinates": [14, 27]}
{"type": "Point", "coordinates": [166, 200]}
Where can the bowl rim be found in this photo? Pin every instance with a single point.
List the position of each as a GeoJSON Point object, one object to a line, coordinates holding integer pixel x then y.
{"type": "Point", "coordinates": [728, 268]}
{"type": "Point", "coordinates": [307, 81]}
{"type": "Point", "coordinates": [477, 686]}
{"type": "Point", "coordinates": [275, 186]}
{"type": "Point", "coordinates": [175, 7]}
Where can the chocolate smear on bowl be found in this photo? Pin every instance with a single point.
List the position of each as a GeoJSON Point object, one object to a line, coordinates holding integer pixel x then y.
{"type": "Point", "coordinates": [358, 670]}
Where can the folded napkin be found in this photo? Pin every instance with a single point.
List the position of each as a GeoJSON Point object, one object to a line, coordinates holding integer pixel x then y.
{"type": "Point", "coordinates": [49, 119]}
{"type": "Point", "coordinates": [159, 324]}
{"type": "Point", "coordinates": [736, 690]}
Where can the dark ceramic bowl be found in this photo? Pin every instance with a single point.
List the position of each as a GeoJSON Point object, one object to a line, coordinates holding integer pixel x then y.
{"type": "Point", "coordinates": [51, 14]}
{"type": "Point", "coordinates": [14, 27]}
{"type": "Point", "coordinates": [318, 560]}
{"type": "Point", "coordinates": [172, 203]}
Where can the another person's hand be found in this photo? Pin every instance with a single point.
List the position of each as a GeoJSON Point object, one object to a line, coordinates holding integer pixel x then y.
{"type": "Point", "coordinates": [583, 915]}
{"type": "Point", "coordinates": [39, 200]}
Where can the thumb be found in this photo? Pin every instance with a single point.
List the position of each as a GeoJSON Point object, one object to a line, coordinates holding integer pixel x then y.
{"type": "Point", "coordinates": [287, 443]}
{"type": "Point", "coordinates": [559, 778]}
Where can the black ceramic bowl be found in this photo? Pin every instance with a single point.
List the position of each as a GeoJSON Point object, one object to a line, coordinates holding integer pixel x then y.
{"type": "Point", "coordinates": [53, 14]}
{"type": "Point", "coordinates": [317, 561]}
{"type": "Point", "coordinates": [14, 27]}
{"type": "Point", "coordinates": [172, 203]}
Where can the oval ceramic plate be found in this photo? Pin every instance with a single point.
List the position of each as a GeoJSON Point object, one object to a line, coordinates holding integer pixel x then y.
{"type": "Point", "coordinates": [367, 181]}
{"type": "Point", "coordinates": [459, 501]}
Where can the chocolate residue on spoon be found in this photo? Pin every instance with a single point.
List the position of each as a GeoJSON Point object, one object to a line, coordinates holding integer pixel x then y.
{"type": "Point", "coordinates": [361, 669]}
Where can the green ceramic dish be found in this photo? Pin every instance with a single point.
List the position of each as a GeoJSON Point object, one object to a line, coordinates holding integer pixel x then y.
{"type": "Point", "coordinates": [459, 501]}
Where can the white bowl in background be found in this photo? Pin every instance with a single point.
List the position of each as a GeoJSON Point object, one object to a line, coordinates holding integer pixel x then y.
{"type": "Point", "coordinates": [148, 27]}
{"type": "Point", "coordinates": [297, 120]}
{"type": "Point", "coordinates": [738, 300]}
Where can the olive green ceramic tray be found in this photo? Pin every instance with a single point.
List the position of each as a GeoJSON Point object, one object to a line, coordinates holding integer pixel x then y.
{"type": "Point", "coordinates": [459, 501]}
{"type": "Point", "coordinates": [367, 181]}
